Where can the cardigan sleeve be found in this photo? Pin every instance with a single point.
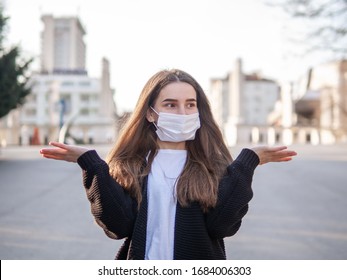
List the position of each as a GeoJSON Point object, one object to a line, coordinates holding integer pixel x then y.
{"type": "Point", "coordinates": [234, 194]}
{"type": "Point", "coordinates": [111, 205]}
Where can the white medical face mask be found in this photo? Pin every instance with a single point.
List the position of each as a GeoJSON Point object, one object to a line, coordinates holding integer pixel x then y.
{"type": "Point", "coordinates": [176, 127]}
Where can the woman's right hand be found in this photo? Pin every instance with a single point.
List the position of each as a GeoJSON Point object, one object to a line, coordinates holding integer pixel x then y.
{"type": "Point", "coordinates": [63, 152]}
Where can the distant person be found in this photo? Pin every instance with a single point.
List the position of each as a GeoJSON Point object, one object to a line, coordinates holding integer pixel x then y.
{"type": "Point", "coordinates": [170, 187]}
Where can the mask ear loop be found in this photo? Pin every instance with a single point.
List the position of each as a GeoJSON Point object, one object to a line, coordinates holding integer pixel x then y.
{"type": "Point", "coordinates": [154, 110]}
{"type": "Point", "coordinates": [155, 125]}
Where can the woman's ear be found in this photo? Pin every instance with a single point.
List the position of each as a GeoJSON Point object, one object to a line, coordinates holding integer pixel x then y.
{"type": "Point", "coordinates": [149, 115]}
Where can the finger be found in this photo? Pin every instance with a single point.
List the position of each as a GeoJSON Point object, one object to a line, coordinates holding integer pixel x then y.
{"type": "Point", "coordinates": [59, 145]}
{"type": "Point", "coordinates": [51, 150]}
{"type": "Point", "coordinates": [54, 152]}
{"type": "Point", "coordinates": [47, 150]}
{"type": "Point", "coordinates": [287, 154]}
{"type": "Point", "coordinates": [285, 159]}
{"type": "Point", "coordinates": [291, 154]}
{"type": "Point", "coordinates": [49, 156]}
{"type": "Point", "coordinates": [280, 156]}
{"type": "Point", "coordinates": [59, 156]}
{"type": "Point", "coordinates": [278, 148]}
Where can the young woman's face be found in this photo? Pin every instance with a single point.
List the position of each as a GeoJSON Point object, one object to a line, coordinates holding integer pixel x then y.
{"type": "Point", "coordinates": [177, 98]}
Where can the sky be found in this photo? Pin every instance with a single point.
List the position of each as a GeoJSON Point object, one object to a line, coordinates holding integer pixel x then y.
{"type": "Point", "coordinates": [141, 37]}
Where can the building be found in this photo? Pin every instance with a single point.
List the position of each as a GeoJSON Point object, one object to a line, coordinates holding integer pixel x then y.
{"type": "Point", "coordinates": [313, 110]}
{"type": "Point", "coordinates": [241, 104]}
{"type": "Point", "coordinates": [63, 46]}
{"type": "Point", "coordinates": [65, 104]}
{"type": "Point", "coordinates": [322, 106]}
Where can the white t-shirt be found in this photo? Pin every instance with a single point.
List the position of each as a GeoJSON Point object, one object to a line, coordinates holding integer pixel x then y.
{"type": "Point", "coordinates": [161, 197]}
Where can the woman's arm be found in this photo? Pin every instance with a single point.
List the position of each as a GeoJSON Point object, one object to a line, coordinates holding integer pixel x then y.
{"type": "Point", "coordinates": [111, 206]}
{"type": "Point", "coordinates": [235, 189]}
{"type": "Point", "coordinates": [234, 193]}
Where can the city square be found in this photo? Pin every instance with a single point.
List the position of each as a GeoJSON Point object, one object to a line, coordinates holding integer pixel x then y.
{"type": "Point", "coordinates": [298, 211]}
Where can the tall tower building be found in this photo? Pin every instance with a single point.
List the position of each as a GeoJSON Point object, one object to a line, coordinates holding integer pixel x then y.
{"type": "Point", "coordinates": [65, 103]}
{"type": "Point", "coordinates": [63, 46]}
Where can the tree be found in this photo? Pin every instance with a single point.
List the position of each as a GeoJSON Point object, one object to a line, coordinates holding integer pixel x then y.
{"type": "Point", "coordinates": [13, 69]}
{"type": "Point", "coordinates": [324, 22]}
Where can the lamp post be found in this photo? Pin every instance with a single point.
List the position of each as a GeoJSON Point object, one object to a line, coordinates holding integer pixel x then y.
{"type": "Point", "coordinates": [62, 112]}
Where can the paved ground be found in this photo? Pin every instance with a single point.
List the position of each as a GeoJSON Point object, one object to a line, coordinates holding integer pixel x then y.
{"type": "Point", "coordinates": [299, 210]}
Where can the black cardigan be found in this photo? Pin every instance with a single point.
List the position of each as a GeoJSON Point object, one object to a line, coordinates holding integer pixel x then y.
{"type": "Point", "coordinates": [198, 235]}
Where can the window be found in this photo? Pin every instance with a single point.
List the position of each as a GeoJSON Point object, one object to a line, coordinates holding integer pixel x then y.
{"type": "Point", "coordinates": [67, 83]}
{"type": "Point", "coordinates": [31, 112]}
{"type": "Point", "coordinates": [84, 83]}
{"type": "Point", "coordinates": [84, 98]}
{"type": "Point", "coordinates": [84, 112]}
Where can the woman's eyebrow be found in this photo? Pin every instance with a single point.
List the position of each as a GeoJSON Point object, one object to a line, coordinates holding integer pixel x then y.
{"type": "Point", "coordinates": [170, 100]}
{"type": "Point", "coordinates": [176, 100]}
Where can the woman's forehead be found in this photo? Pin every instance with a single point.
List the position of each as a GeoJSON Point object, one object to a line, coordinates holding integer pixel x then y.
{"type": "Point", "coordinates": [178, 91]}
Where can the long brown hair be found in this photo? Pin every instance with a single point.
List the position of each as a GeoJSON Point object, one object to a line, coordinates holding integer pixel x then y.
{"type": "Point", "coordinates": [207, 154]}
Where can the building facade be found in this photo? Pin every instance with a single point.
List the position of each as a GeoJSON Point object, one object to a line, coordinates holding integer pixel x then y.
{"type": "Point", "coordinates": [312, 110]}
{"type": "Point", "coordinates": [63, 46]}
{"type": "Point", "coordinates": [65, 103]}
{"type": "Point", "coordinates": [241, 104]}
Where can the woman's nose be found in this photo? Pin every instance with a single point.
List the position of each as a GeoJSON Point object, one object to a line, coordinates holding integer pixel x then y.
{"type": "Point", "coordinates": [181, 110]}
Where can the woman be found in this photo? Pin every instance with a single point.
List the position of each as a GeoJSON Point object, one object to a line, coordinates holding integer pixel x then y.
{"type": "Point", "coordinates": [170, 186]}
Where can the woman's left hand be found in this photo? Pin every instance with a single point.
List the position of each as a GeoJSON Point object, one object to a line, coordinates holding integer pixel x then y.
{"type": "Point", "coordinates": [273, 154]}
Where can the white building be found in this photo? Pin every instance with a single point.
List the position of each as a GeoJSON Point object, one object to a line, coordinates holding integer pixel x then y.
{"type": "Point", "coordinates": [241, 104]}
{"type": "Point", "coordinates": [65, 104]}
{"type": "Point", "coordinates": [282, 118]}
{"type": "Point", "coordinates": [63, 46]}
{"type": "Point", "coordinates": [78, 101]}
